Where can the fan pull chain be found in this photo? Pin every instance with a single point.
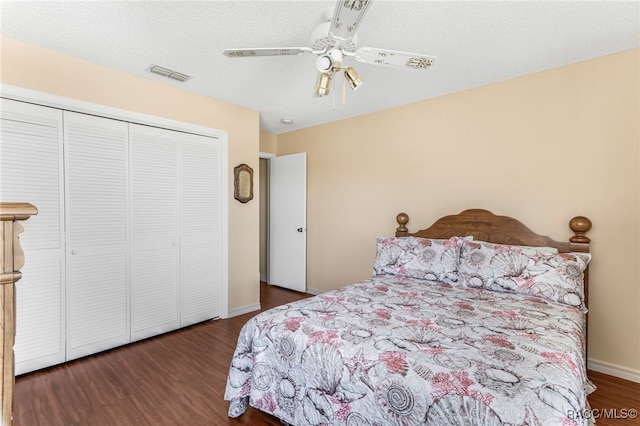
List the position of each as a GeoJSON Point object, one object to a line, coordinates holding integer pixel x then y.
{"type": "Point", "coordinates": [344, 93]}
{"type": "Point", "coordinates": [333, 89]}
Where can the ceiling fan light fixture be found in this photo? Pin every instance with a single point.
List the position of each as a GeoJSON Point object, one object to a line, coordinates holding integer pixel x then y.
{"type": "Point", "coordinates": [322, 88]}
{"type": "Point", "coordinates": [353, 78]}
{"type": "Point", "coordinates": [330, 61]}
{"type": "Point", "coordinates": [324, 63]}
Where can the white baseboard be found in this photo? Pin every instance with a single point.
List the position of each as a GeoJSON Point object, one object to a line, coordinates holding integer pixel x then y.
{"type": "Point", "coordinates": [314, 291]}
{"type": "Point", "coordinates": [614, 370]}
{"type": "Point", "coordinates": [243, 310]}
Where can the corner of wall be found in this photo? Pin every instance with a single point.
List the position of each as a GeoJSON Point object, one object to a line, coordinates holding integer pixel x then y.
{"type": "Point", "coordinates": [268, 143]}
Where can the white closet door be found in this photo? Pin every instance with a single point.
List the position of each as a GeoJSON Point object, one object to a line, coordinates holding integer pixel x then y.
{"type": "Point", "coordinates": [154, 231]}
{"type": "Point", "coordinates": [201, 228]}
{"type": "Point", "coordinates": [31, 171]}
{"type": "Point", "coordinates": [97, 234]}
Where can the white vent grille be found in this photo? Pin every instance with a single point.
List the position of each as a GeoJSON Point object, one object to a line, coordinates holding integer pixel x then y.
{"type": "Point", "coordinates": [166, 72]}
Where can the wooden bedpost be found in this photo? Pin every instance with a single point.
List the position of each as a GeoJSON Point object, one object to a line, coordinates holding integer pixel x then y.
{"type": "Point", "coordinates": [11, 261]}
{"type": "Point", "coordinates": [580, 225]}
{"type": "Point", "coordinates": [402, 219]}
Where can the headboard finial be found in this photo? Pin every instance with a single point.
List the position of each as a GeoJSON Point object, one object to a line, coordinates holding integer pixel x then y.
{"type": "Point", "coordinates": [402, 220]}
{"type": "Point", "coordinates": [580, 225]}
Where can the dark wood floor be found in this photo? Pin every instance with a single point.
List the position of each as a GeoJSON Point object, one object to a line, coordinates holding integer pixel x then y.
{"type": "Point", "coordinates": [179, 379]}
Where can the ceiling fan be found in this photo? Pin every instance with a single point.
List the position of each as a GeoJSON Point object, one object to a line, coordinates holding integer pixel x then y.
{"type": "Point", "coordinates": [336, 39]}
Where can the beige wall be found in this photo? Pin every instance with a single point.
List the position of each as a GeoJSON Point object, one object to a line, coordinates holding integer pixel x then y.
{"type": "Point", "coordinates": [35, 68]}
{"type": "Point", "coordinates": [268, 143]}
{"type": "Point", "coordinates": [542, 148]}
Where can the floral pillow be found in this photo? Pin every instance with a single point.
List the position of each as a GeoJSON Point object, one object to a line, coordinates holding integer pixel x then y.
{"type": "Point", "coordinates": [532, 271]}
{"type": "Point", "coordinates": [422, 258]}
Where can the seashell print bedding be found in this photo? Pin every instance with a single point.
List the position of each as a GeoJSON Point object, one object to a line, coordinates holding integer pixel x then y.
{"type": "Point", "coordinates": [393, 350]}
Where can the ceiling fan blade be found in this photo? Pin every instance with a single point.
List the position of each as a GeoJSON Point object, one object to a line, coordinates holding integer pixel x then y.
{"type": "Point", "coordinates": [393, 58]}
{"type": "Point", "coordinates": [268, 51]}
{"type": "Point", "coordinates": [347, 17]}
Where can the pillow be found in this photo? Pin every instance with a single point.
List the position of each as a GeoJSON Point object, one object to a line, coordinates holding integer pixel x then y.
{"type": "Point", "coordinates": [423, 258]}
{"type": "Point", "coordinates": [481, 261]}
{"type": "Point", "coordinates": [532, 271]}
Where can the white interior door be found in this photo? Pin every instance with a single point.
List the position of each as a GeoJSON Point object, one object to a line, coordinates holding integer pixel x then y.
{"type": "Point", "coordinates": [97, 284]}
{"type": "Point", "coordinates": [201, 242]}
{"type": "Point", "coordinates": [31, 170]}
{"type": "Point", "coordinates": [288, 221]}
{"type": "Point", "coordinates": [154, 231]}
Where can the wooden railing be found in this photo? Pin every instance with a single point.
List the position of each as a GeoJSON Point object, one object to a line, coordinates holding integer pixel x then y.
{"type": "Point", "coordinates": [11, 261]}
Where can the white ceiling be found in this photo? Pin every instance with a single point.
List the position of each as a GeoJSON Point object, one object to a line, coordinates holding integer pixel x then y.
{"type": "Point", "coordinates": [476, 43]}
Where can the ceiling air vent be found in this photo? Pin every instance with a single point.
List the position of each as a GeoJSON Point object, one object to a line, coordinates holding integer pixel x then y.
{"type": "Point", "coordinates": [166, 72]}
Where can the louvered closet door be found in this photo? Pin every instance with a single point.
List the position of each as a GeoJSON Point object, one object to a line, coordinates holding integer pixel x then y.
{"type": "Point", "coordinates": [97, 234]}
{"type": "Point", "coordinates": [201, 226]}
{"type": "Point", "coordinates": [154, 231]}
{"type": "Point", "coordinates": [31, 171]}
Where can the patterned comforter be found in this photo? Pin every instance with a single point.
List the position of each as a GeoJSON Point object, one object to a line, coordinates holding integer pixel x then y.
{"type": "Point", "coordinates": [396, 350]}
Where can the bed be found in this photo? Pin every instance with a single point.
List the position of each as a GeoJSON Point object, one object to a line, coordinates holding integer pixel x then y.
{"type": "Point", "coordinates": [475, 320]}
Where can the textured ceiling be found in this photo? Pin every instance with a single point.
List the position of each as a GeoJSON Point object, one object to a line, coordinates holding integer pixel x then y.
{"type": "Point", "coordinates": [476, 43]}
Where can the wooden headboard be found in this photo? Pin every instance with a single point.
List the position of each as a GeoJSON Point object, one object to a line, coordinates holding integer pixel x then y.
{"type": "Point", "coordinates": [485, 226]}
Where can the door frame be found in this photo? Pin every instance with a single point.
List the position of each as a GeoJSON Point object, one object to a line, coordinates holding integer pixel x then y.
{"type": "Point", "coordinates": [286, 276]}
{"type": "Point", "coordinates": [266, 156]}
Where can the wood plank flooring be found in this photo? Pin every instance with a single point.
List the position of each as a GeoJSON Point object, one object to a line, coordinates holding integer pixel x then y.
{"type": "Point", "coordinates": [179, 379]}
{"type": "Point", "coordinates": [612, 401]}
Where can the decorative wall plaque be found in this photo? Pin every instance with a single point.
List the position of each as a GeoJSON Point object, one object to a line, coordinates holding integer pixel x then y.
{"type": "Point", "coordinates": [243, 183]}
